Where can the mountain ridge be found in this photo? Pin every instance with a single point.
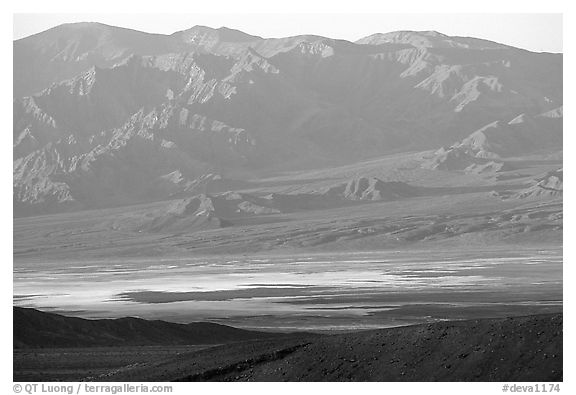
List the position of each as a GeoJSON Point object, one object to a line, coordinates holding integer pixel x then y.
{"type": "Point", "coordinates": [37, 329]}
{"type": "Point", "coordinates": [119, 110]}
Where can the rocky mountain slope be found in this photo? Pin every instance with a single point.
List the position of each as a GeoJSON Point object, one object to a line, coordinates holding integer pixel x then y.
{"type": "Point", "coordinates": [105, 116]}
{"type": "Point", "coordinates": [218, 210]}
{"type": "Point", "coordinates": [486, 147]}
{"type": "Point", "coordinates": [513, 349]}
{"type": "Point", "coordinates": [548, 185]}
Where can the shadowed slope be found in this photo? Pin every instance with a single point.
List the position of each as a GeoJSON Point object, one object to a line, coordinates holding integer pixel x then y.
{"type": "Point", "coordinates": [36, 329]}
{"type": "Point", "coordinates": [512, 349]}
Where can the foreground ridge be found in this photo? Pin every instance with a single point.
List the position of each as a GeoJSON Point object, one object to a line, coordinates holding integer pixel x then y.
{"type": "Point", "coordinates": [527, 348]}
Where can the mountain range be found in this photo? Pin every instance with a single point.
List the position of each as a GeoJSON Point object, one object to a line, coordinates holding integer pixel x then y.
{"type": "Point", "coordinates": [106, 116]}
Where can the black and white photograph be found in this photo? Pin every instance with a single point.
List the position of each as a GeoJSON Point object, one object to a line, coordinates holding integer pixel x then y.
{"type": "Point", "coordinates": [305, 197]}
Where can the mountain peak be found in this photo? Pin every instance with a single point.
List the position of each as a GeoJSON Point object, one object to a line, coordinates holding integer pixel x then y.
{"type": "Point", "coordinates": [427, 39]}
{"type": "Point", "coordinates": [201, 33]}
{"type": "Point", "coordinates": [401, 36]}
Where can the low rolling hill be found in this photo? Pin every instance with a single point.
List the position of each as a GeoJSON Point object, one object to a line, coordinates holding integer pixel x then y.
{"type": "Point", "coordinates": [37, 329]}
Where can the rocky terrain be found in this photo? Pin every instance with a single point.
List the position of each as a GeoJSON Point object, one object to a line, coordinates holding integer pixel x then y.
{"type": "Point", "coordinates": [485, 150]}
{"type": "Point", "coordinates": [549, 184]}
{"type": "Point", "coordinates": [107, 117]}
{"type": "Point", "coordinates": [510, 349]}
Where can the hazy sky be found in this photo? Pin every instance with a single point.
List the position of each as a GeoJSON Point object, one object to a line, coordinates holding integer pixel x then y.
{"type": "Point", "coordinates": [536, 32]}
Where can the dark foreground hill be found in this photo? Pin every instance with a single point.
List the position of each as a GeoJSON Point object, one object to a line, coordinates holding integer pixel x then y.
{"type": "Point", "coordinates": [37, 329]}
{"type": "Point", "coordinates": [510, 349]}
{"type": "Point", "coordinates": [513, 349]}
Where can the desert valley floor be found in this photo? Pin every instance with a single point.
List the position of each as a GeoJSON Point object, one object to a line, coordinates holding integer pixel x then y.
{"type": "Point", "coordinates": [288, 293]}
{"type": "Point", "coordinates": [457, 250]}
